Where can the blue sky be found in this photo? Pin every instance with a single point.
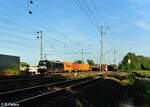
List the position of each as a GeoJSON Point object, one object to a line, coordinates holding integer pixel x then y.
{"type": "Point", "coordinates": [66, 29]}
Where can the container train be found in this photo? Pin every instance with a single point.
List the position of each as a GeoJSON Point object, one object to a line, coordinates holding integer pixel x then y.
{"type": "Point", "coordinates": [57, 66]}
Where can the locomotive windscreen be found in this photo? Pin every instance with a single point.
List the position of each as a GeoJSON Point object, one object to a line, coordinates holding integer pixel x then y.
{"type": "Point", "coordinates": [42, 63]}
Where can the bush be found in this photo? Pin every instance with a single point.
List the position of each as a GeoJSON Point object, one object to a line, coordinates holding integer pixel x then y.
{"type": "Point", "coordinates": [14, 67]}
{"type": "Point", "coordinates": [9, 72]}
{"type": "Point", "coordinates": [141, 86]}
{"type": "Point", "coordinates": [131, 77]}
{"type": "Point", "coordinates": [136, 82]}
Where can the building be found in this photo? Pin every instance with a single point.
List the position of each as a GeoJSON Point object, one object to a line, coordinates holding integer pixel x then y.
{"type": "Point", "coordinates": [33, 70]}
{"type": "Point", "coordinates": [6, 61]}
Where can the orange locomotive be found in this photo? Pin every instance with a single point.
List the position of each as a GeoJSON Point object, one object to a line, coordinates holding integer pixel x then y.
{"type": "Point", "coordinates": [51, 66]}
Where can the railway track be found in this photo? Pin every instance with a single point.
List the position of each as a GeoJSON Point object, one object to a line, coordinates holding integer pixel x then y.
{"type": "Point", "coordinates": [9, 79]}
{"type": "Point", "coordinates": [29, 96]}
{"type": "Point", "coordinates": [21, 78]}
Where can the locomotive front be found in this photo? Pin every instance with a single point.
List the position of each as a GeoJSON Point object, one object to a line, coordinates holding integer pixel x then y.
{"type": "Point", "coordinates": [42, 66]}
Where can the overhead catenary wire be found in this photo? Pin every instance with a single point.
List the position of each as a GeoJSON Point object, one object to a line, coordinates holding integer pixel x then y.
{"type": "Point", "coordinates": [92, 13]}
{"type": "Point", "coordinates": [36, 17]}
{"type": "Point", "coordinates": [6, 21]}
{"type": "Point", "coordinates": [30, 40]}
{"type": "Point", "coordinates": [16, 50]}
{"type": "Point", "coordinates": [97, 12]}
{"type": "Point", "coordinates": [46, 25]}
{"type": "Point", "coordinates": [56, 30]}
{"type": "Point", "coordinates": [82, 8]}
{"type": "Point", "coordinates": [25, 32]}
{"type": "Point", "coordinates": [18, 44]}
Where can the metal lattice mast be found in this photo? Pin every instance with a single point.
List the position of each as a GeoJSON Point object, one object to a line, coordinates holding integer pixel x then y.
{"type": "Point", "coordinates": [41, 44]}
{"type": "Point", "coordinates": [101, 43]}
{"type": "Point", "coordinates": [115, 55]}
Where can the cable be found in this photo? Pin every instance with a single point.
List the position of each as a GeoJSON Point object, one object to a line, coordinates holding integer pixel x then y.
{"type": "Point", "coordinates": [90, 11]}
{"type": "Point", "coordinates": [15, 43]}
{"type": "Point", "coordinates": [80, 6]}
{"type": "Point", "coordinates": [47, 25]}
{"type": "Point", "coordinates": [96, 10]}
{"type": "Point", "coordinates": [44, 24]}
{"type": "Point", "coordinates": [7, 48]}
{"type": "Point", "coordinates": [16, 24]}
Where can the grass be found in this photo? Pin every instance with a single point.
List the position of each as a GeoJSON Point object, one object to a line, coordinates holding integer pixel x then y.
{"type": "Point", "coordinates": [145, 73]}
{"type": "Point", "coordinates": [137, 82]}
{"type": "Point", "coordinates": [139, 87]}
{"type": "Point", "coordinates": [9, 72]}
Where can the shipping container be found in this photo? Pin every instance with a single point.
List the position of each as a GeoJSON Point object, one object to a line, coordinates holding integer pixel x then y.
{"type": "Point", "coordinates": [90, 67]}
{"type": "Point", "coordinates": [86, 67]}
{"type": "Point", "coordinates": [75, 67]}
{"type": "Point", "coordinates": [68, 66]}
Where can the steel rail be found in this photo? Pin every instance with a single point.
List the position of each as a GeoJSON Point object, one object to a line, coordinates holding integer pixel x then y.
{"type": "Point", "coordinates": [39, 86]}
{"type": "Point", "coordinates": [22, 79]}
{"type": "Point", "coordinates": [54, 91]}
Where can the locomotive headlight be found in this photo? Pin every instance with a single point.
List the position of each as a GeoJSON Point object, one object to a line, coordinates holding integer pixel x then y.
{"type": "Point", "coordinates": [45, 67]}
{"type": "Point", "coordinates": [42, 67]}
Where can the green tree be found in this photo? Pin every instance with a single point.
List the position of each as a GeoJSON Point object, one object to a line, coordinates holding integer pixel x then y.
{"type": "Point", "coordinates": [137, 62]}
{"type": "Point", "coordinates": [79, 62]}
{"type": "Point", "coordinates": [24, 64]}
{"type": "Point", "coordinates": [135, 65]}
{"type": "Point", "coordinates": [14, 67]}
{"type": "Point", "coordinates": [146, 63]}
{"type": "Point", "coordinates": [25, 70]}
{"type": "Point", "coordinates": [90, 62]}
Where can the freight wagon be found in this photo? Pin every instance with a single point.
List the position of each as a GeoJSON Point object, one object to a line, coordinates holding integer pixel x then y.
{"type": "Point", "coordinates": [101, 67]}
{"type": "Point", "coordinates": [104, 67]}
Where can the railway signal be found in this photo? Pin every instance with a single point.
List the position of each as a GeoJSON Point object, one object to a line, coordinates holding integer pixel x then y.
{"type": "Point", "coordinates": [129, 62]}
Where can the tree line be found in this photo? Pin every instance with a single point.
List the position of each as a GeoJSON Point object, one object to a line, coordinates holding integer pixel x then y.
{"type": "Point", "coordinates": [137, 62]}
{"type": "Point", "coordinates": [89, 61]}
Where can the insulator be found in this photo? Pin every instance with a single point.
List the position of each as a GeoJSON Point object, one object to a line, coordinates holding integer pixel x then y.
{"type": "Point", "coordinates": [31, 2]}
{"type": "Point", "coordinates": [30, 12]}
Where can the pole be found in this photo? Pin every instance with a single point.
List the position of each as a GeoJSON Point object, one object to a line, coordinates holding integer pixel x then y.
{"type": "Point", "coordinates": [82, 55]}
{"type": "Point", "coordinates": [129, 62]}
{"type": "Point", "coordinates": [101, 47]}
{"type": "Point", "coordinates": [114, 55]}
{"type": "Point", "coordinates": [41, 46]}
{"type": "Point", "coordinates": [101, 44]}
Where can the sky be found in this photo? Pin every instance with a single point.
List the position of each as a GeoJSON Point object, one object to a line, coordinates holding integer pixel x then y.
{"type": "Point", "coordinates": [67, 29]}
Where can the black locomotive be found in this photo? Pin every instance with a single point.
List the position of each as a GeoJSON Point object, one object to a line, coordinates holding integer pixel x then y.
{"type": "Point", "coordinates": [50, 66]}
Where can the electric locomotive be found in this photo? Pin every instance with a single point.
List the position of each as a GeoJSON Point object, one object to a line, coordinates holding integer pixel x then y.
{"type": "Point", "coordinates": [46, 66]}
